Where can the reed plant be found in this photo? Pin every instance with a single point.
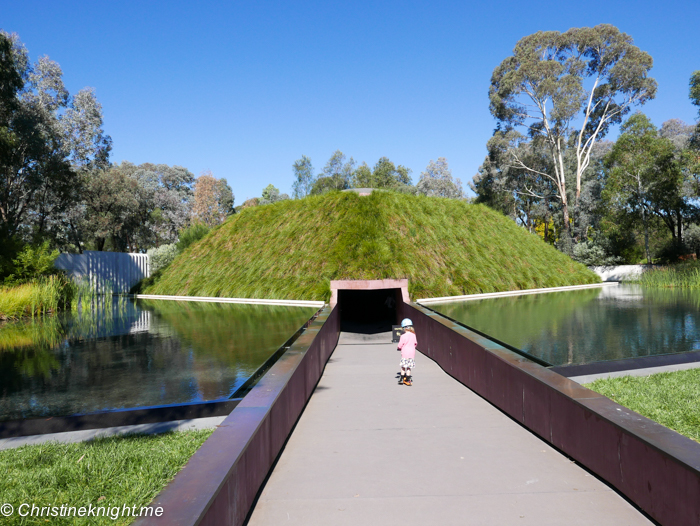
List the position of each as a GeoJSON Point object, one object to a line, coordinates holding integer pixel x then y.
{"type": "Point", "coordinates": [44, 295]}
{"type": "Point", "coordinates": [683, 275]}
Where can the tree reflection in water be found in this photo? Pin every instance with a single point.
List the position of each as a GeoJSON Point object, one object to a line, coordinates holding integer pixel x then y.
{"type": "Point", "coordinates": [136, 354]}
{"type": "Point", "coordinates": [590, 325]}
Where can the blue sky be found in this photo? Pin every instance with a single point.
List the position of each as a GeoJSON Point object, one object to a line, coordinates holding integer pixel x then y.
{"type": "Point", "coordinates": [245, 88]}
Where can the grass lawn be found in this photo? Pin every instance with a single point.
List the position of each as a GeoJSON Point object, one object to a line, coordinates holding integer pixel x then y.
{"type": "Point", "coordinates": [671, 399]}
{"type": "Point", "coordinates": [107, 472]}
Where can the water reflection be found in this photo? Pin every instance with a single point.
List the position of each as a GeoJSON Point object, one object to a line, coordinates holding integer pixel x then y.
{"type": "Point", "coordinates": [589, 325]}
{"type": "Point", "coordinates": [135, 355]}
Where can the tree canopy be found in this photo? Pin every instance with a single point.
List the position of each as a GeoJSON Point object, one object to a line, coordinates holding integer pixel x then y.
{"type": "Point", "coordinates": [643, 178]}
{"type": "Point", "coordinates": [47, 138]}
{"type": "Point", "coordinates": [303, 177]}
{"type": "Point", "coordinates": [437, 181]}
{"type": "Point", "coordinates": [341, 173]}
{"type": "Point", "coordinates": [561, 91]}
{"type": "Point", "coordinates": [213, 200]}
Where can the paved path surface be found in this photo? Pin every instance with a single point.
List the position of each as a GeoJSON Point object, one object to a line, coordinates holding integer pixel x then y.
{"type": "Point", "coordinates": [367, 451]}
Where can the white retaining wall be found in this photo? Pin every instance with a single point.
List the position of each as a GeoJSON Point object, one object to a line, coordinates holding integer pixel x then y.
{"type": "Point", "coordinates": [619, 272]}
{"type": "Point", "coordinates": [469, 297]}
{"type": "Point", "coordinates": [245, 301]}
{"type": "Point", "coordinates": [120, 269]}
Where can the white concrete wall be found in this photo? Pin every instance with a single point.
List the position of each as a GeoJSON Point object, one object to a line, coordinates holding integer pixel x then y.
{"type": "Point", "coordinates": [619, 272]}
{"type": "Point", "coordinates": [469, 297]}
{"type": "Point", "coordinates": [120, 269]}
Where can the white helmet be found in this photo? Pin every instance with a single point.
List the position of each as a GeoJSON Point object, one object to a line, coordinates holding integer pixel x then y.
{"type": "Point", "coordinates": [406, 323]}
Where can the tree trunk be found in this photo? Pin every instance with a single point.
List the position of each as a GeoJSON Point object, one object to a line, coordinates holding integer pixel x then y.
{"type": "Point", "coordinates": [567, 226]}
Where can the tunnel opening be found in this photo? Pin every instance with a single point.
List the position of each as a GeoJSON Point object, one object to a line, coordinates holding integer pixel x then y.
{"type": "Point", "coordinates": [368, 311]}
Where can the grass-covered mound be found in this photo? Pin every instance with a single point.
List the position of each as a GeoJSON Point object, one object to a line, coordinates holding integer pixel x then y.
{"type": "Point", "coordinates": [292, 249]}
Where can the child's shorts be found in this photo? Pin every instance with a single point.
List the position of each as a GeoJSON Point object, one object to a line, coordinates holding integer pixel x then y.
{"type": "Point", "coordinates": [407, 363]}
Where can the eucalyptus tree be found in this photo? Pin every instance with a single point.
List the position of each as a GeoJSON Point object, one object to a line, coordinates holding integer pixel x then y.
{"type": "Point", "coordinates": [11, 83]}
{"type": "Point", "coordinates": [339, 170]}
{"type": "Point", "coordinates": [643, 178]}
{"type": "Point", "coordinates": [524, 195]}
{"type": "Point", "coordinates": [165, 203]}
{"type": "Point", "coordinates": [563, 91]}
{"type": "Point", "coordinates": [86, 148]}
{"type": "Point", "coordinates": [32, 152]}
{"type": "Point", "coordinates": [336, 175]}
{"type": "Point", "coordinates": [213, 200]}
{"type": "Point", "coordinates": [161, 206]}
{"type": "Point", "coordinates": [695, 137]}
{"type": "Point", "coordinates": [304, 177]}
{"type": "Point", "coordinates": [111, 199]}
{"type": "Point", "coordinates": [695, 89]}
{"type": "Point", "coordinates": [385, 174]}
{"type": "Point", "coordinates": [437, 181]}
{"type": "Point", "coordinates": [47, 138]}
{"type": "Point", "coordinates": [271, 194]}
{"type": "Point", "coordinates": [681, 135]}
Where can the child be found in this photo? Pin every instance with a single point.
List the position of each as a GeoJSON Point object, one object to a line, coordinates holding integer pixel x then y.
{"type": "Point", "coordinates": [407, 346]}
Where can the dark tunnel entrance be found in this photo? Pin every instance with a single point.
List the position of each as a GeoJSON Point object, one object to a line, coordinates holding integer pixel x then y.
{"type": "Point", "coordinates": [368, 311]}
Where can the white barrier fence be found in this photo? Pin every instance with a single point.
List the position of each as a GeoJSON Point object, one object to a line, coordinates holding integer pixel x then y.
{"type": "Point", "coordinates": [119, 270]}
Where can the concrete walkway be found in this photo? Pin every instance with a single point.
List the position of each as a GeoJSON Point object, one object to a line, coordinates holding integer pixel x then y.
{"type": "Point", "coordinates": [367, 451]}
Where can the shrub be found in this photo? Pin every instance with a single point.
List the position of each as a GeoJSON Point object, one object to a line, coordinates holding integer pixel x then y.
{"type": "Point", "coordinates": [162, 256]}
{"type": "Point", "coordinates": [33, 262]}
{"type": "Point", "coordinates": [191, 234]}
{"type": "Point", "coordinates": [591, 253]}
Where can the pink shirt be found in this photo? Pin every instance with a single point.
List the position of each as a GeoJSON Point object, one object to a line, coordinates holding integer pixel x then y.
{"type": "Point", "coordinates": [408, 345]}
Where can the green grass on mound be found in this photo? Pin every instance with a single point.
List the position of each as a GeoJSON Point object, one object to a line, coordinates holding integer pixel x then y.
{"type": "Point", "coordinates": [292, 249]}
{"type": "Point", "coordinates": [671, 399]}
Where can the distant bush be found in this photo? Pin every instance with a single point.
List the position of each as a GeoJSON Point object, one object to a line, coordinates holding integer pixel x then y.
{"type": "Point", "coordinates": [162, 256]}
{"type": "Point", "coordinates": [191, 234]}
{"type": "Point", "coordinates": [591, 253]}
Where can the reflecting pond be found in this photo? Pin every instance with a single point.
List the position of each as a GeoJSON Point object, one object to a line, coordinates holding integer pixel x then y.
{"type": "Point", "coordinates": [140, 354]}
{"type": "Point", "coordinates": [590, 325]}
